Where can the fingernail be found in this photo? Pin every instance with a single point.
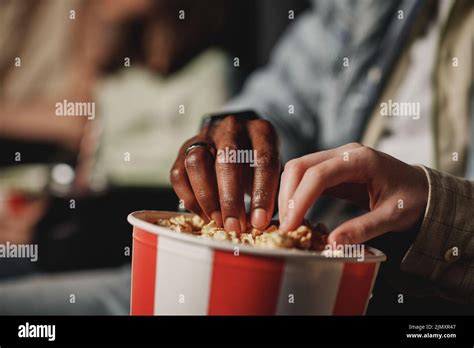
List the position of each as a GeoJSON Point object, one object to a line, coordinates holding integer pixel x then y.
{"type": "Point", "coordinates": [232, 224]}
{"type": "Point", "coordinates": [259, 218]}
{"type": "Point", "coordinates": [217, 217]}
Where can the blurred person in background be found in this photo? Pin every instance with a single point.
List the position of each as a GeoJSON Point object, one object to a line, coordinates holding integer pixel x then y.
{"type": "Point", "coordinates": [151, 75]}
{"type": "Point", "coordinates": [38, 41]}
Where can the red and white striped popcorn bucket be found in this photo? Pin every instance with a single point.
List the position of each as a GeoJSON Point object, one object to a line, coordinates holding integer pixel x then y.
{"type": "Point", "coordinates": [180, 274]}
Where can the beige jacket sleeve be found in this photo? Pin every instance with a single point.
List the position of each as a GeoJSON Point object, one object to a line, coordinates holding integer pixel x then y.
{"type": "Point", "coordinates": [443, 251]}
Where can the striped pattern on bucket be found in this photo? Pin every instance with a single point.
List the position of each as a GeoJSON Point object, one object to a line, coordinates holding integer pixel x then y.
{"type": "Point", "coordinates": [170, 277]}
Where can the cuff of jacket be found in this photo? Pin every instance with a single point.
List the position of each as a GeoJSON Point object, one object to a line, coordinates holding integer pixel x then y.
{"type": "Point", "coordinates": [443, 249]}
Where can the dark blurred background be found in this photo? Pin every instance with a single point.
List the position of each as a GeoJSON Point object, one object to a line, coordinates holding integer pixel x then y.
{"type": "Point", "coordinates": [46, 197]}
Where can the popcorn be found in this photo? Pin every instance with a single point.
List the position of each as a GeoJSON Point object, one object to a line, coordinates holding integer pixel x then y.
{"type": "Point", "coordinates": [197, 222]}
{"type": "Point", "coordinates": [210, 229]}
{"type": "Point", "coordinates": [304, 237]}
{"type": "Point", "coordinates": [247, 238]}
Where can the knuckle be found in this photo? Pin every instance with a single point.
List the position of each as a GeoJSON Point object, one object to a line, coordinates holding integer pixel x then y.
{"type": "Point", "coordinates": [370, 159]}
{"type": "Point", "coordinates": [353, 145]}
{"type": "Point", "coordinates": [228, 144]}
{"type": "Point", "coordinates": [262, 125]}
{"type": "Point", "coordinates": [176, 175]}
{"type": "Point", "coordinates": [265, 128]}
{"type": "Point", "coordinates": [229, 122]}
{"type": "Point", "coordinates": [315, 174]}
{"type": "Point", "coordinates": [194, 159]}
{"type": "Point", "coordinates": [294, 166]}
{"type": "Point", "coordinates": [368, 152]}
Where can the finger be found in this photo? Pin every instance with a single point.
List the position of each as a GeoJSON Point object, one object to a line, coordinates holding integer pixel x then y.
{"type": "Point", "coordinates": [200, 169]}
{"type": "Point", "coordinates": [266, 171]}
{"type": "Point", "coordinates": [289, 180]}
{"type": "Point", "coordinates": [327, 174]}
{"type": "Point", "coordinates": [230, 176]}
{"type": "Point", "coordinates": [356, 193]}
{"type": "Point", "coordinates": [295, 169]}
{"type": "Point", "coordinates": [364, 227]}
{"type": "Point", "coordinates": [181, 185]}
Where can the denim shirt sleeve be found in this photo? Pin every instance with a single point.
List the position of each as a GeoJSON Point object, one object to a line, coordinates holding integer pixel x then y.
{"type": "Point", "coordinates": [311, 90]}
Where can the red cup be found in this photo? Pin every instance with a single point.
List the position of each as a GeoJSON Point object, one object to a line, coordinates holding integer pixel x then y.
{"type": "Point", "coordinates": [181, 274]}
